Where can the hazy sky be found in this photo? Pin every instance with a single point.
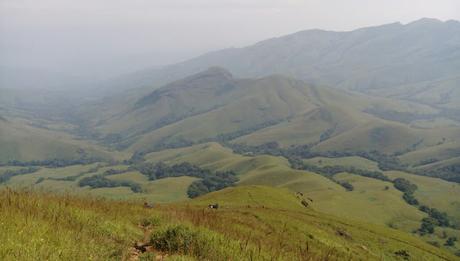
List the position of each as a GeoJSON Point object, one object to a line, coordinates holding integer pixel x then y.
{"type": "Point", "coordinates": [101, 38]}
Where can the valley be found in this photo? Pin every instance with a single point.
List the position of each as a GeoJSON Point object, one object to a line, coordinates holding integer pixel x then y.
{"type": "Point", "coordinates": [352, 138]}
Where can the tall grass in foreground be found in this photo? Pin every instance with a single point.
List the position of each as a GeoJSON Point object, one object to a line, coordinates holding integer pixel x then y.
{"type": "Point", "coordinates": [44, 226]}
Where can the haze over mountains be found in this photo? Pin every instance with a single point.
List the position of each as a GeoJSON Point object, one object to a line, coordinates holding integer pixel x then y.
{"type": "Point", "coordinates": [285, 90]}
{"type": "Point", "coordinates": [420, 54]}
{"type": "Point", "coordinates": [365, 124]}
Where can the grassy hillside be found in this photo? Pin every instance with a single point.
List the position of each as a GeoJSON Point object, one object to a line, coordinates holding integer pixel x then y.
{"type": "Point", "coordinates": [54, 179]}
{"type": "Point", "coordinates": [353, 161]}
{"type": "Point", "coordinates": [23, 142]}
{"type": "Point", "coordinates": [421, 58]}
{"type": "Point", "coordinates": [387, 206]}
{"type": "Point", "coordinates": [252, 223]}
{"type": "Point", "coordinates": [214, 105]}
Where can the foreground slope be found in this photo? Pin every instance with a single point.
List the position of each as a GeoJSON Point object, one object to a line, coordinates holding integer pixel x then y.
{"type": "Point", "coordinates": [257, 223]}
{"type": "Point", "coordinates": [385, 206]}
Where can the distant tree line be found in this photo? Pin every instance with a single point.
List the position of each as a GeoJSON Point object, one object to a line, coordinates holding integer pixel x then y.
{"type": "Point", "coordinates": [408, 190]}
{"type": "Point", "coordinates": [100, 181]}
{"type": "Point", "coordinates": [8, 174]}
{"type": "Point", "coordinates": [53, 163]}
{"type": "Point", "coordinates": [208, 182]}
{"type": "Point", "coordinates": [384, 161]}
{"type": "Point", "coordinates": [330, 171]}
{"type": "Point", "coordinates": [435, 217]}
{"type": "Point", "coordinates": [75, 177]}
{"type": "Point", "coordinates": [449, 173]}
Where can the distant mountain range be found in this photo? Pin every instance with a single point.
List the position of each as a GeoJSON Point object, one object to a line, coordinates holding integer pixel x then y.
{"type": "Point", "coordinates": [392, 88]}
{"type": "Point", "coordinates": [417, 61]}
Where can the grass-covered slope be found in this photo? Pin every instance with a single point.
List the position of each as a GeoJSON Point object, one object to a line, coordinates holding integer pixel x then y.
{"type": "Point", "coordinates": [421, 58]}
{"type": "Point", "coordinates": [214, 105]}
{"type": "Point", "coordinates": [384, 206]}
{"type": "Point", "coordinates": [257, 223]}
{"type": "Point", "coordinates": [21, 141]}
{"type": "Point", "coordinates": [66, 180]}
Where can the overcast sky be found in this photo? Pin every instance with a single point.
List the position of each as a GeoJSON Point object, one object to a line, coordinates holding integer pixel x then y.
{"type": "Point", "coordinates": [102, 38]}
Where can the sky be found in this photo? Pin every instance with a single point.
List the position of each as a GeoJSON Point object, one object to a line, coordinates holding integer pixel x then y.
{"type": "Point", "coordinates": [98, 39]}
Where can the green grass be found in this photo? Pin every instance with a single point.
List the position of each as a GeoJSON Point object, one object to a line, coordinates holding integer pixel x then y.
{"type": "Point", "coordinates": [47, 227]}
{"type": "Point", "coordinates": [353, 161]}
{"type": "Point", "coordinates": [23, 142]}
{"type": "Point", "coordinates": [385, 207]}
{"type": "Point", "coordinates": [162, 190]}
{"type": "Point", "coordinates": [371, 201]}
{"type": "Point", "coordinates": [434, 192]}
{"type": "Point", "coordinates": [253, 222]}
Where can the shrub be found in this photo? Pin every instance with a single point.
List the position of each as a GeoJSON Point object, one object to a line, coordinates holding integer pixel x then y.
{"type": "Point", "coordinates": [404, 185]}
{"type": "Point", "coordinates": [151, 221]}
{"type": "Point", "coordinates": [347, 185]}
{"type": "Point", "coordinates": [450, 241]}
{"type": "Point", "coordinates": [201, 243]}
{"type": "Point", "coordinates": [427, 226]}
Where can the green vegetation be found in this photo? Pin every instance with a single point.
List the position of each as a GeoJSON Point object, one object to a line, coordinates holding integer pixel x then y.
{"type": "Point", "coordinates": [208, 181]}
{"type": "Point", "coordinates": [100, 181]}
{"type": "Point", "coordinates": [8, 174]}
{"type": "Point", "coordinates": [254, 223]}
{"type": "Point", "coordinates": [407, 188]}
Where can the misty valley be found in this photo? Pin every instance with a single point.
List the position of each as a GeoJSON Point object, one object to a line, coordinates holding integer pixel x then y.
{"type": "Point", "coordinates": [318, 145]}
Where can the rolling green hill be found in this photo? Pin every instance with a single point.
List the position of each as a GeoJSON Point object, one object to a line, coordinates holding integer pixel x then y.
{"type": "Point", "coordinates": [21, 141]}
{"type": "Point", "coordinates": [351, 138]}
{"type": "Point", "coordinates": [421, 57]}
{"type": "Point", "coordinates": [215, 106]}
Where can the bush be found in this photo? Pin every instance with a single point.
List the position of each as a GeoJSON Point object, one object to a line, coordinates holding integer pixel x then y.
{"type": "Point", "coordinates": [201, 243]}
{"type": "Point", "coordinates": [176, 239]}
{"type": "Point", "coordinates": [404, 185]}
{"type": "Point", "coordinates": [410, 199]}
{"type": "Point", "coordinates": [450, 241]}
{"type": "Point", "coordinates": [347, 185]}
{"type": "Point", "coordinates": [427, 226]}
{"type": "Point", "coordinates": [11, 173]}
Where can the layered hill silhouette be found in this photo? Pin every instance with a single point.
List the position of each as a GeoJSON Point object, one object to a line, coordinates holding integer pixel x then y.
{"type": "Point", "coordinates": [215, 105]}
{"type": "Point", "coordinates": [416, 61]}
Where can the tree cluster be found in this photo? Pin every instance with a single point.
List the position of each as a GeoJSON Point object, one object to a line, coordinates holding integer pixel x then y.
{"type": "Point", "coordinates": [54, 163]}
{"type": "Point", "coordinates": [100, 181]}
{"type": "Point", "coordinates": [11, 173]}
{"type": "Point", "coordinates": [208, 182]}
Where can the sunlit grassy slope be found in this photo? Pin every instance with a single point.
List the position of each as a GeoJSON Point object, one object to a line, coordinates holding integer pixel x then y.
{"type": "Point", "coordinates": [252, 223]}
{"type": "Point", "coordinates": [434, 192]}
{"type": "Point", "coordinates": [273, 108]}
{"type": "Point", "coordinates": [353, 161]}
{"type": "Point", "coordinates": [383, 206]}
{"type": "Point", "coordinates": [47, 179]}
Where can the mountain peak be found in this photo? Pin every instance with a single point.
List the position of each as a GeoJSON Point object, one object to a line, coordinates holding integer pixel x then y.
{"type": "Point", "coordinates": [425, 21]}
{"type": "Point", "coordinates": [217, 70]}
